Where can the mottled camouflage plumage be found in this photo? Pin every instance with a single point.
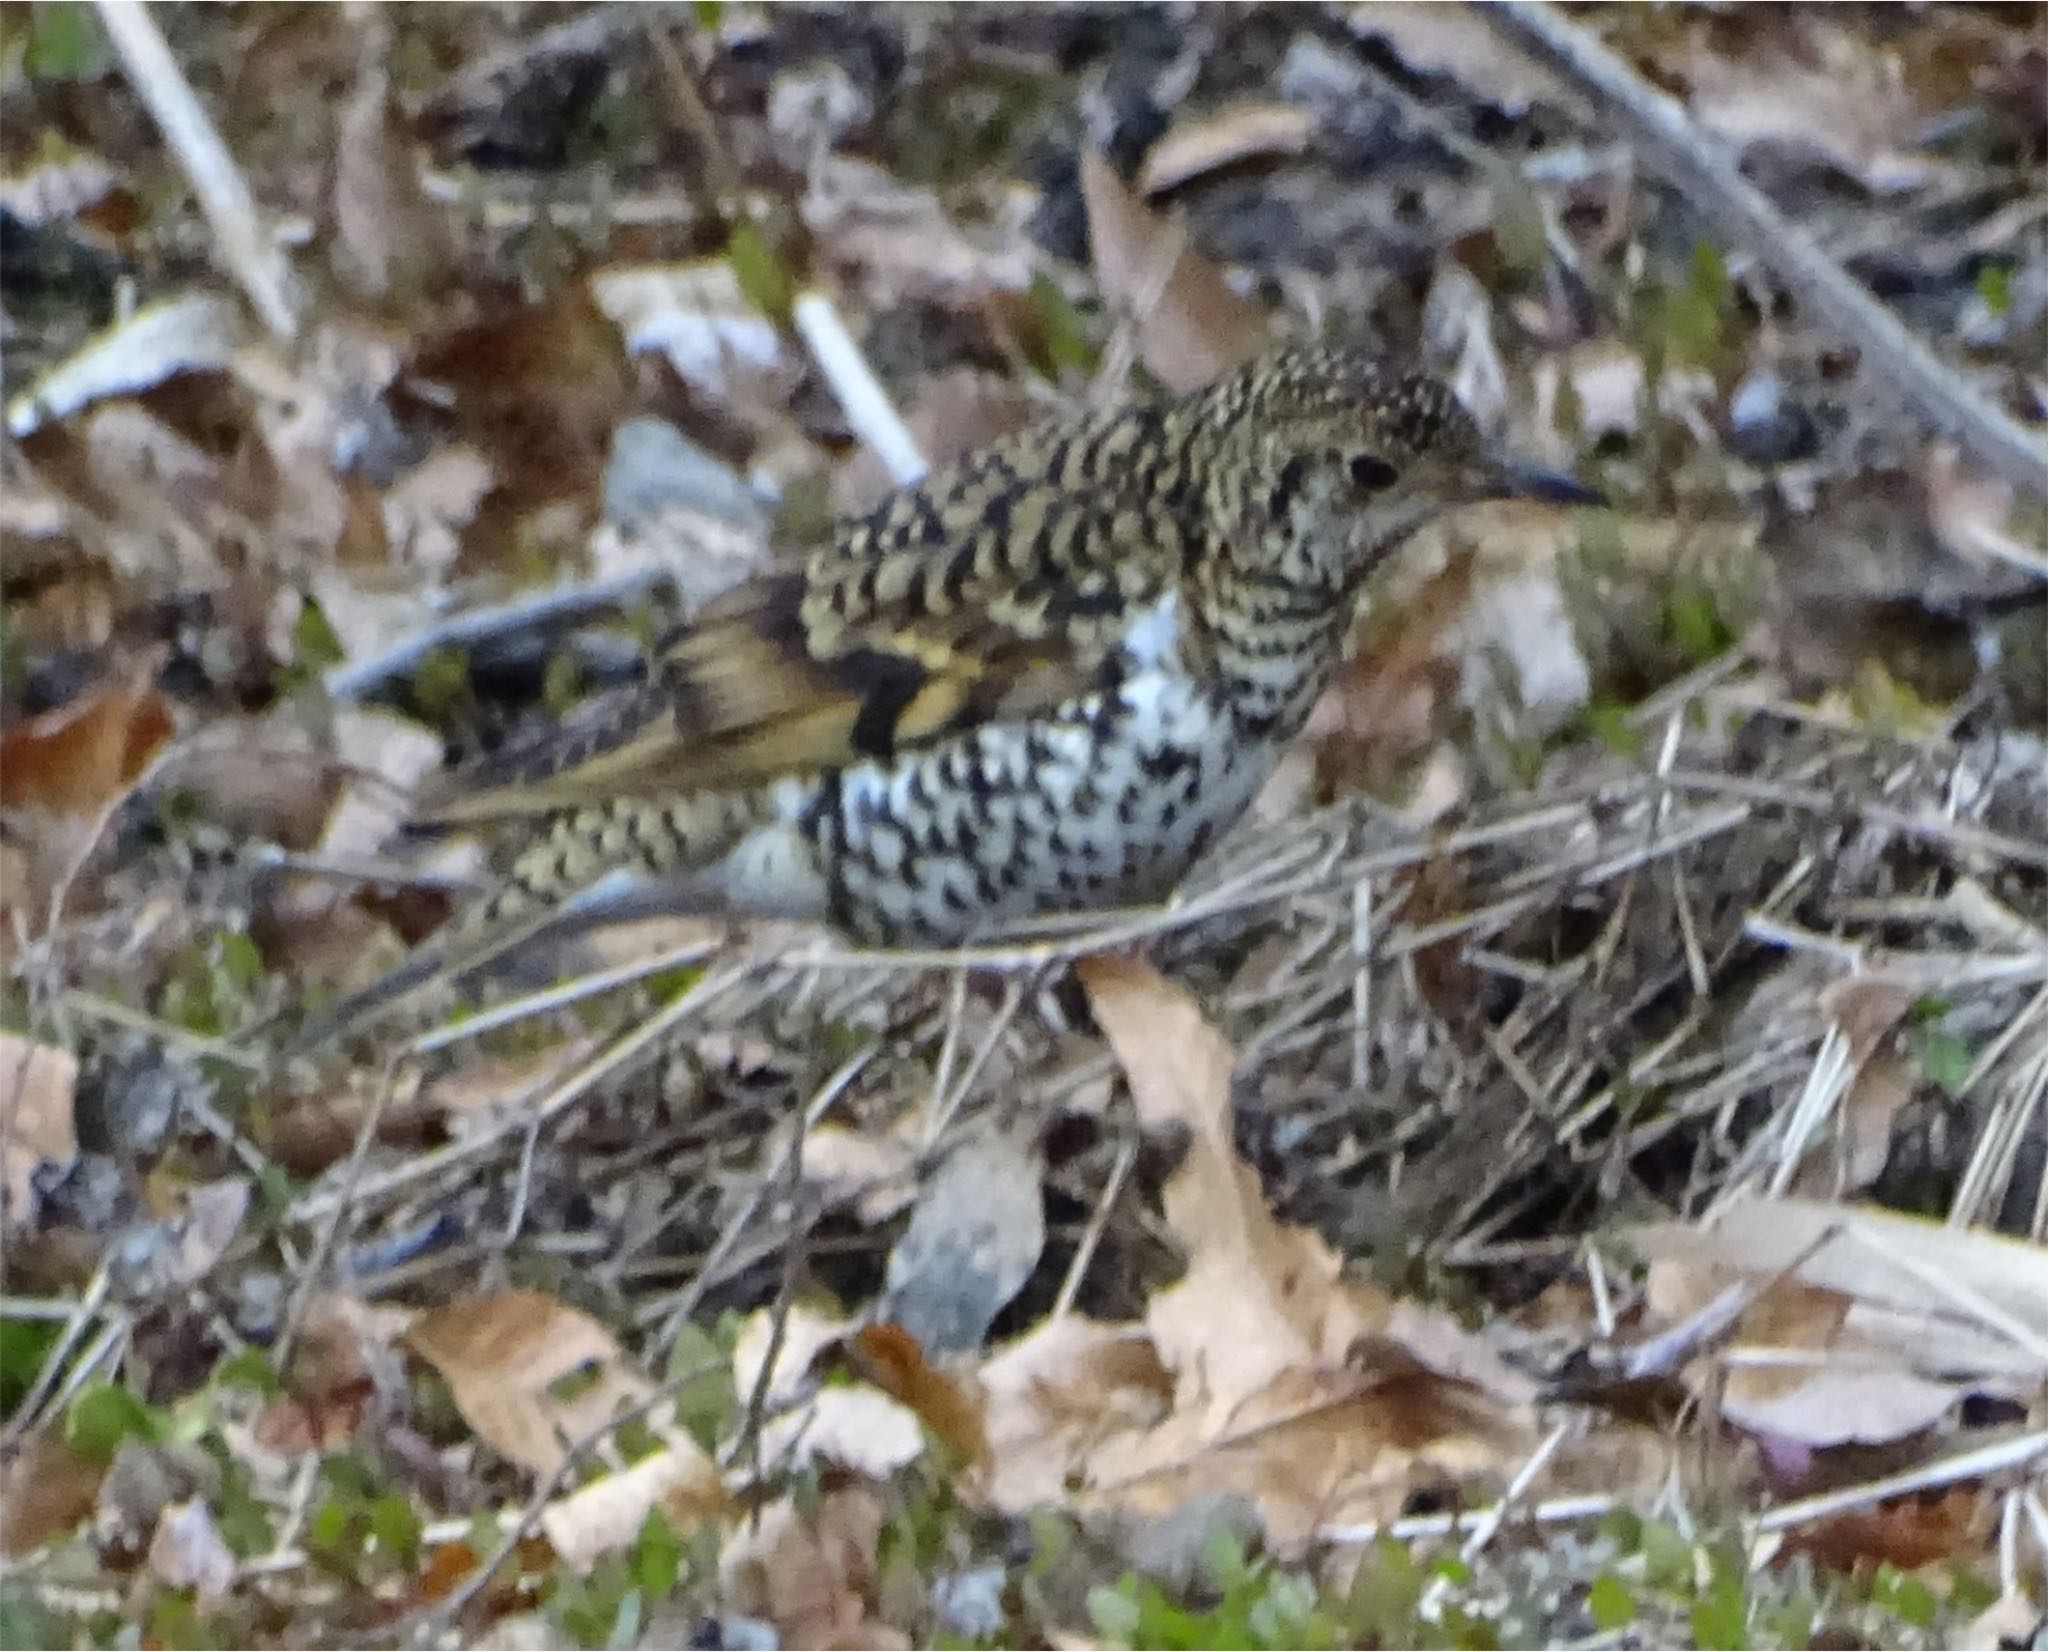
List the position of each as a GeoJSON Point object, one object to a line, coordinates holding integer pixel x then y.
{"type": "Point", "coordinates": [1044, 679]}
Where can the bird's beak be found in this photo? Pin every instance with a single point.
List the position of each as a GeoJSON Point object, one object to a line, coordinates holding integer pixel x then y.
{"type": "Point", "coordinates": [1511, 479]}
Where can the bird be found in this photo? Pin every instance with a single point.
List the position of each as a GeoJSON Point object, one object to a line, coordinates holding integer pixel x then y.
{"type": "Point", "coordinates": [1043, 680]}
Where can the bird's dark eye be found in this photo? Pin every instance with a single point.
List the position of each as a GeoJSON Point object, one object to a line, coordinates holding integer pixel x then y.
{"type": "Point", "coordinates": [1369, 473]}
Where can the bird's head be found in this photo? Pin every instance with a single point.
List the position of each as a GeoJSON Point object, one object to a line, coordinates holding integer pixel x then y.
{"type": "Point", "coordinates": [1340, 457]}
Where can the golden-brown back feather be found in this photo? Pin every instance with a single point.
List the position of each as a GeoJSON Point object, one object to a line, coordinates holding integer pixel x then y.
{"type": "Point", "coordinates": [980, 592]}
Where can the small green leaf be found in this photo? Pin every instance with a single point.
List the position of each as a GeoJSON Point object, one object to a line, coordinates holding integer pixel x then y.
{"type": "Point", "coordinates": [102, 1416]}
{"type": "Point", "coordinates": [1609, 1602]}
{"type": "Point", "coordinates": [564, 682]}
{"type": "Point", "coordinates": [1694, 623]}
{"type": "Point", "coordinates": [440, 684]}
{"type": "Point", "coordinates": [242, 1517]}
{"type": "Point", "coordinates": [1906, 1597]}
{"type": "Point", "coordinates": [1994, 286]}
{"type": "Point", "coordinates": [1114, 1611]}
{"type": "Point", "coordinates": [1720, 1617]}
{"type": "Point", "coordinates": [248, 1368]}
{"type": "Point", "coordinates": [395, 1524]}
{"type": "Point", "coordinates": [24, 1344]}
{"type": "Point", "coordinates": [236, 962]}
{"type": "Point", "coordinates": [1062, 335]}
{"type": "Point", "coordinates": [1946, 1060]}
{"type": "Point", "coordinates": [65, 42]}
{"type": "Point", "coordinates": [667, 985]}
{"type": "Point", "coordinates": [1668, 1556]}
{"type": "Point", "coordinates": [1608, 722]}
{"type": "Point", "coordinates": [315, 647]}
{"type": "Point", "coordinates": [707, 1402]}
{"type": "Point", "coordinates": [760, 273]}
{"type": "Point", "coordinates": [657, 1558]}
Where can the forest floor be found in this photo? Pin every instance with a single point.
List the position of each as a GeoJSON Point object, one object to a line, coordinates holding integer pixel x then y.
{"type": "Point", "coordinates": [1573, 1170]}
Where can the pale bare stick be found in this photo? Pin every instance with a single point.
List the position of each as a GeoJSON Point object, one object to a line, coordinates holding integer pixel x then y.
{"type": "Point", "coordinates": [1699, 165]}
{"type": "Point", "coordinates": [252, 257]}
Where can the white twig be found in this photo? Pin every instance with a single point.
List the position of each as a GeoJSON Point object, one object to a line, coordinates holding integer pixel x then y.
{"type": "Point", "coordinates": [254, 259]}
{"type": "Point", "coordinates": [860, 394]}
{"type": "Point", "coordinates": [2000, 1458]}
{"type": "Point", "coordinates": [553, 609]}
{"type": "Point", "coordinates": [1699, 166]}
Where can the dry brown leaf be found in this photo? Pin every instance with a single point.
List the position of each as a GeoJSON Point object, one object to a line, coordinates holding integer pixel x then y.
{"type": "Point", "coordinates": [46, 1488]}
{"type": "Point", "coordinates": [898, 244]}
{"type": "Point", "coordinates": [1905, 1532]}
{"type": "Point", "coordinates": [1384, 707]}
{"type": "Point", "coordinates": [504, 1358]}
{"type": "Point", "coordinates": [538, 389]}
{"type": "Point", "coordinates": [606, 1515]}
{"type": "Point", "coordinates": [1190, 325]}
{"type": "Point", "coordinates": [1321, 1449]}
{"type": "Point", "coordinates": [1905, 1265]}
{"type": "Point", "coordinates": [807, 1335]}
{"type": "Point", "coordinates": [391, 245]}
{"type": "Point", "coordinates": [696, 314]}
{"type": "Point", "coordinates": [344, 1344]}
{"type": "Point", "coordinates": [854, 1426]}
{"type": "Point", "coordinates": [893, 1361]}
{"type": "Point", "coordinates": [1836, 97]}
{"type": "Point", "coordinates": [948, 414]}
{"type": "Point", "coordinates": [1973, 514]}
{"type": "Point", "coordinates": [1056, 1396]}
{"type": "Point", "coordinates": [1855, 1347]}
{"type": "Point", "coordinates": [76, 760]}
{"type": "Point", "coordinates": [428, 511]}
{"type": "Point", "coordinates": [195, 332]}
{"type": "Point", "coordinates": [1866, 1010]}
{"type": "Point", "coordinates": [1258, 1298]}
{"type": "Point", "coordinates": [1240, 132]}
{"type": "Point", "coordinates": [38, 1084]}
{"type": "Point", "coordinates": [814, 1579]}
{"type": "Point", "coordinates": [385, 758]}
{"type": "Point", "coordinates": [1813, 1380]}
{"type": "Point", "coordinates": [1314, 1396]}
{"type": "Point", "coordinates": [203, 1225]}
{"type": "Point", "coordinates": [1457, 41]}
{"type": "Point", "coordinates": [878, 1170]}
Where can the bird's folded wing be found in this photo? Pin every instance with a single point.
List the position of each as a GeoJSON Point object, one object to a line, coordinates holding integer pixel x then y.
{"type": "Point", "coordinates": [993, 589]}
{"type": "Point", "coordinates": [740, 698]}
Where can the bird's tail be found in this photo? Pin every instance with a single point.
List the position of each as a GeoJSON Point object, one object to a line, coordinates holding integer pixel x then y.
{"type": "Point", "coordinates": [578, 869]}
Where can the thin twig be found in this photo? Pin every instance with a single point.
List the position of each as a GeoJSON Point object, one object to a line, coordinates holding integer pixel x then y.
{"type": "Point", "coordinates": [859, 393]}
{"type": "Point", "coordinates": [2014, 1453]}
{"type": "Point", "coordinates": [252, 257]}
{"type": "Point", "coordinates": [1699, 166]}
{"type": "Point", "coordinates": [544, 611]}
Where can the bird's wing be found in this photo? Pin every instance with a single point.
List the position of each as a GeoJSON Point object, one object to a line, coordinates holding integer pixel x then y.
{"type": "Point", "coordinates": [995, 588]}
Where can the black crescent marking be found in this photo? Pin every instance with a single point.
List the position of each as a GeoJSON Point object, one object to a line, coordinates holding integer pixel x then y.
{"type": "Point", "coordinates": [886, 684]}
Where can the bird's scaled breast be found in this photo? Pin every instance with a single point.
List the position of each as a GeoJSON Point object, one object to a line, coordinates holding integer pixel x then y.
{"type": "Point", "coordinates": [1107, 803]}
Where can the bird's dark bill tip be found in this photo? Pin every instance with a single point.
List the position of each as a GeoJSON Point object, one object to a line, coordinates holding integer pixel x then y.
{"type": "Point", "coordinates": [1516, 480]}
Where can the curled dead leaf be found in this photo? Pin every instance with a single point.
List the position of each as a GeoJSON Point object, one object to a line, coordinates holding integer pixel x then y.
{"type": "Point", "coordinates": [529, 1373]}
{"type": "Point", "coordinates": [892, 1359]}
{"type": "Point", "coordinates": [1190, 325]}
{"type": "Point", "coordinates": [815, 1578]}
{"type": "Point", "coordinates": [79, 758]}
{"type": "Point", "coordinates": [1314, 1397]}
{"type": "Point", "coordinates": [1240, 132]}
{"type": "Point", "coordinates": [46, 1488]}
{"type": "Point", "coordinates": [38, 1084]}
{"type": "Point", "coordinates": [607, 1515]}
